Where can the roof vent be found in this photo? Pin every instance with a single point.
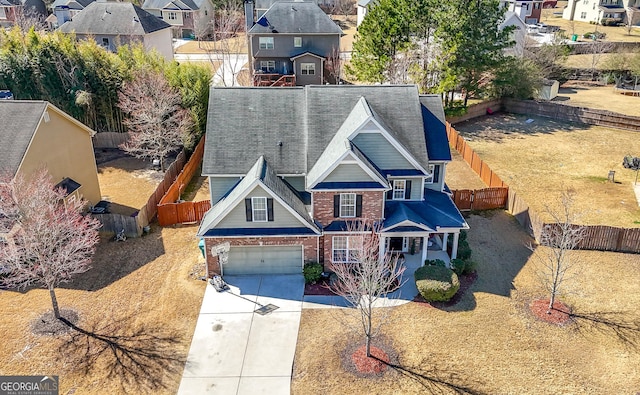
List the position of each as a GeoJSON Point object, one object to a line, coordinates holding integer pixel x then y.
{"type": "Point", "coordinates": [279, 143]}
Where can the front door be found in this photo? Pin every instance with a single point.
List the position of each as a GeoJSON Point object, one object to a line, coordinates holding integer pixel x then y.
{"type": "Point", "coordinates": [398, 244]}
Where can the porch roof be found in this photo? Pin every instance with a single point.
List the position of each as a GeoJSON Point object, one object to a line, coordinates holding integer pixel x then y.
{"type": "Point", "coordinates": [350, 185]}
{"type": "Point", "coordinates": [436, 211]}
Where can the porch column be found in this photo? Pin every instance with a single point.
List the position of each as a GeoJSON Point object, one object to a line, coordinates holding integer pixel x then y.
{"type": "Point", "coordinates": [425, 245]}
{"type": "Point", "coordinates": [382, 242]}
{"type": "Point", "coordinates": [445, 238]}
{"type": "Point", "coordinates": [454, 248]}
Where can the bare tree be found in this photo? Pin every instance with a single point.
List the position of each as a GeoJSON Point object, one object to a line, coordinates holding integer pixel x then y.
{"type": "Point", "coordinates": [54, 240]}
{"type": "Point", "coordinates": [155, 117]}
{"type": "Point", "coordinates": [202, 27]}
{"type": "Point", "coordinates": [344, 7]}
{"type": "Point", "coordinates": [629, 24]}
{"type": "Point", "coordinates": [27, 18]}
{"type": "Point", "coordinates": [228, 51]}
{"type": "Point", "coordinates": [333, 65]}
{"type": "Point", "coordinates": [560, 238]}
{"type": "Point", "coordinates": [364, 277]}
{"type": "Point", "coordinates": [598, 48]}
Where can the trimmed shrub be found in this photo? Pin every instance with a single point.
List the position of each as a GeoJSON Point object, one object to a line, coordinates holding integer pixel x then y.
{"type": "Point", "coordinates": [464, 251]}
{"type": "Point", "coordinates": [436, 283]}
{"type": "Point", "coordinates": [312, 272]}
{"type": "Point", "coordinates": [461, 266]}
{"type": "Point", "coordinates": [435, 262]}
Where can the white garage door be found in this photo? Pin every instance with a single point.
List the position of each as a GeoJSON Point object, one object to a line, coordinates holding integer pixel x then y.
{"type": "Point", "coordinates": [264, 260]}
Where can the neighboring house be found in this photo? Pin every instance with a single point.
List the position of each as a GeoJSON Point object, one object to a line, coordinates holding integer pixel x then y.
{"type": "Point", "coordinates": [186, 17]}
{"type": "Point", "coordinates": [114, 24]}
{"type": "Point", "coordinates": [528, 10]}
{"type": "Point", "coordinates": [518, 35]}
{"type": "Point", "coordinates": [65, 10]}
{"type": "Point", "coordinates": [36, 134]}
{"type": "Point", "coordinates": [597, 11]}
{"type": "Point", "coordinates": [290, 43]}
{"type": "Point", "coordinates": [289, 168]}
{"type": "Point", "coordinates": [11, 9]}
{"type": "Point", "coordinates": [261, 6]}
{"type": "Point", "coordinates": [362, 9]}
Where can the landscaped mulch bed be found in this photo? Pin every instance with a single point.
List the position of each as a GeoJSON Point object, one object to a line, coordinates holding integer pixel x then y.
{"type": "Point", "coordinates": [559, 315]}
{"type": "Point", "coordinates": [376, 364]}
{"type": "Point", "coordinates": [465, 282]}
{"type": "Point", "coordinates": [318, 288]}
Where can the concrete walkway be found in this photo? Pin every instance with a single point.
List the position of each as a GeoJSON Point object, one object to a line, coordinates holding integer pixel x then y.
{"type": "Point", "coordinates": [237, 351]}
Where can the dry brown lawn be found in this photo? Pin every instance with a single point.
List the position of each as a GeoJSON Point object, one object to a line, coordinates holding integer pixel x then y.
{"type": "Point", "coordinates": [460, 175]}
{"type": "Point", "coordinates": [489, 343]}
{"type": "Point", "coordinates": [142, 292]}
{"type": "Point", "coordinates": [127, 183]}
{"type": "Point", "coordinates": [540, 159]}
{"type": "Point", "coordinates": [600, 97]}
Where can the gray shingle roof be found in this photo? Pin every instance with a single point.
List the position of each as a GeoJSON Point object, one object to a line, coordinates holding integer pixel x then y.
{"type": "Point", "coordinates": [246, 123]}
{"type": "Point", "coordinates": [72, 4]}
{"type": "Point", "coordinates": [172, 5]}
{"type": "Point", "coordinates": [296, 17]}
{"type": "Point", "coordinates": [114, 18]}
{"type": "Point", "coordinates": [19, 122]}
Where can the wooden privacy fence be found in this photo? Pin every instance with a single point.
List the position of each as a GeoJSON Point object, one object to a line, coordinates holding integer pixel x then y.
{"type": "Point", "coordinates": [596, 237]}
{"type": "Point", "coordinates": [134, 225]}
{"type": "Point", "coordinates": [170, 210]}
{"type": "Point", "coordinates": [481, 199]}
{"type": "Point", "coordinates": [109, 139]}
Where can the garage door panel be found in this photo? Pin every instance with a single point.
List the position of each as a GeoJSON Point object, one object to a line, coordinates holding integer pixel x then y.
{"type": "Point", "coordinates": [264, 260]}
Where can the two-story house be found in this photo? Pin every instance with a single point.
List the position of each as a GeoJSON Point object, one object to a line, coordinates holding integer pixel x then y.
{"type": "Point", "coordinates": [10, 10]}
{"type": "Point", "coordinates": [290, 42]}
{"type": "Point", "coordinates": [112, 24]}
{"type": "Point", "coordinates": [65, 10]}
{"type": "Point", "coordinates": [186, 17]}
{"type": "Point", "coordinates": [527, 10]}
{"type": "Point", "coordinates": [290, 168]}
{"type": "Point", "coordinates": [596, 11]}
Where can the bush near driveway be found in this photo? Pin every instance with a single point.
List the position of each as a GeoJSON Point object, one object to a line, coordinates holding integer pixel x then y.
{"type": "Point", "coordinates": [436, 283]}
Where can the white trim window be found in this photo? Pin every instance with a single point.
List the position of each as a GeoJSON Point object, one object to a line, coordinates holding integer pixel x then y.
{"type": "Point", "coordinates": [308, 68]}
{"type": "Point", "coordinates": [399, 188]}
{"type": "Point", "coordinates": [105, 42]}
{"type": "Point", "coordinates": [268, 66]}
{"type": "Point", "coordinates": [429, 179]}
{"type": "Point", "coordinates": [265, 42]}
{"type": "Point", "coordinates": [347, 205]}
{"type": "Point", "coordinates": [172, 16]}
{"type": "Point", "coordinates": [345, 249]}
{"type": "Point", "coordinates": [259, 208]}
{"type": "Point", "coordinates": [297, 42]}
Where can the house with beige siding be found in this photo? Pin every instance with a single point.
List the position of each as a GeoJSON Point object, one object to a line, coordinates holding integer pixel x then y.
{"type": "Point", "coordinates": [37, 134]}
{"type": "Point", "coordinates": [288, 177]}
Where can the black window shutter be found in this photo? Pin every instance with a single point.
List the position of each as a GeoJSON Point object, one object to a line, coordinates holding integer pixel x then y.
{"type": "Point", "coordinates": [436, 173]}
{"type": "Point", "coordinates": [248, 209]}
{"type": "Point", "coordinates": [390, 193]}
{"type": "Point", "coordinates": [270, 209]}
{"type": "Point", "coordinates": [358, 206]}
{"type": "Point", "coordinates": [407, 190]}
{"type": "Point", "coordinates": [336, 206]}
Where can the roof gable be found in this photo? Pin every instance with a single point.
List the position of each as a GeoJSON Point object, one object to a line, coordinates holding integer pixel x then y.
{"type": "Point", "coordinates": [260, 175]}
{"type": "Point", "coordinates": [295, 17]}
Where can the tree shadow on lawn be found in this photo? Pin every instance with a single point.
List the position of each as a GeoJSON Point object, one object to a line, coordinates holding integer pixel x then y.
{"type": "Point", "coordinates": [116, 259]}
{"type": "Point", "coordinates": [144, 358]}
{"type": "Point", "coordinates": [620, 324]}
{"type": "Point", "coordinates": [435, 381]}
{"type": "Point", "coordinates": [498, 127]}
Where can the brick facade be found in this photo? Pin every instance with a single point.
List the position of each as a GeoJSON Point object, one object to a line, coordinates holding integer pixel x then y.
{"type": "Point", "coordinates": [372, 205]}
{"type": "Point", "coordinates": [309, 247]}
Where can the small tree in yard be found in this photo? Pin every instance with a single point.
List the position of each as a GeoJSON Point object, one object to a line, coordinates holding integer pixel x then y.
{"type": "Point", "coordinates": [155, 117]}
{"type": "Point", "coordinates": [54, 240]}
{"type": "Point", "coordinates": [363, 277]}
{"type": "Point", "coordinates": [560, 238]}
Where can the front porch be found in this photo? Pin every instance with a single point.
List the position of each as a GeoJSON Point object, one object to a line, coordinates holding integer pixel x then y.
{"type": "Point", "coordinates": [412, 246]}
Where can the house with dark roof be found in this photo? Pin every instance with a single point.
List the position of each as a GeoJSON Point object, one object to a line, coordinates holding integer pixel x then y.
{"type": "Point", "coordinates": [36, 134]}
{"type": "Point", "coordinates": [11, 9]}
{"type": "Point", "coordinates": [186, 17]}
{"type": "Point", "coordinates": [290, 43]}
{"type": "Point", "coordinates": [285, 185]}
{"type": "Point", "coordinates": [113, 24]}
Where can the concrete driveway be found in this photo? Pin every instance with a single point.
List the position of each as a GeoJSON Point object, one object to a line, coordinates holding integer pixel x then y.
{"type": "Point", "coordinates": [238, 351]}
